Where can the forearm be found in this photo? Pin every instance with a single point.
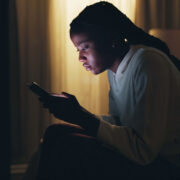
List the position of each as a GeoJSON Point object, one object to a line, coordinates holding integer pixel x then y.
{"type": "Point", "coordinates": [89, 122]}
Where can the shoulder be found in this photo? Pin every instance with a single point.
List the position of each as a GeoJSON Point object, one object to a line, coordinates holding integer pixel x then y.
{"type": "Point", "coordinates": [150, 54]}
{"type": "Point", "coordinates": [150, 59]}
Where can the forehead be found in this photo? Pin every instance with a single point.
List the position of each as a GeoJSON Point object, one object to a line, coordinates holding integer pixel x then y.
{"type": "Point", "coordinates": [80, 38]}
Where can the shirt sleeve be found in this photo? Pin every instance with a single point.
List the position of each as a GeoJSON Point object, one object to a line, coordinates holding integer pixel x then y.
{"type": "Point", "coordinates": [112, 118]}
{"type": "Point", "coordinates": [151, 84]}
{"type": "Point", "coordinates": [112, 105]}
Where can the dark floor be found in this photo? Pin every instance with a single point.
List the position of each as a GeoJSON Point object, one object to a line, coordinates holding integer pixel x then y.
{"type": "Point", "coordinates": [17, 176]}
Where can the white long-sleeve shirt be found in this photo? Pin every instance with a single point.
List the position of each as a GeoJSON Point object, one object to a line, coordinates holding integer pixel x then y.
{"type": "Point", "coordinates": [145, 97]}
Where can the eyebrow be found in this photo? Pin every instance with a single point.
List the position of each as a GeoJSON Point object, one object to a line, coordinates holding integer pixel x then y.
{"type": "Point", "coordinates": [83, 41]}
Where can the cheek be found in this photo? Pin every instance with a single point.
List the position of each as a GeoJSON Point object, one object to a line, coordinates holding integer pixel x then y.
{"type": "Point", "coordinates": [99, 65]}
{"type": "Point", "coordinates": [102, 61]}
{"type": "Point", "coordinates": [96, 60]}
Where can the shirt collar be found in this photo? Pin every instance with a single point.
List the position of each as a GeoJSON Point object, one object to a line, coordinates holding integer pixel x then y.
{"type": "Point", "coordinates": [125, 61]}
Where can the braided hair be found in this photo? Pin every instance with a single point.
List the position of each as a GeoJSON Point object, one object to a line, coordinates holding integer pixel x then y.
{"type": "Point", "coordinates": [106, 17]}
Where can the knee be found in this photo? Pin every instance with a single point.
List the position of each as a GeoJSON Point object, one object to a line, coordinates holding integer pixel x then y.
{"type": "Point", "coordinates": [58, 130]}
{"type": "Point", "coordinates": [52, 132]}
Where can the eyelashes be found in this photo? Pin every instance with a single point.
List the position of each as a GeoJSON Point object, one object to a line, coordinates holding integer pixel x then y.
{"type": "Point", "coordinates": [84, 48]}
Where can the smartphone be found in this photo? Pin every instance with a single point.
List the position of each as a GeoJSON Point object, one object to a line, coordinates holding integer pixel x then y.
{"type": "Point", "coordinates": [35, 88]}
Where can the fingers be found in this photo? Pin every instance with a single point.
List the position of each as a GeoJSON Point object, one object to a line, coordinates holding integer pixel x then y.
{"type": "Point", "coordinates": [59, 95]}
{"type": "Point", "coordinates": [46, 103]}
{"type": "Point", "coordinates": [65, 94]}
{"type": "Point", "coordinates": [72, 98]}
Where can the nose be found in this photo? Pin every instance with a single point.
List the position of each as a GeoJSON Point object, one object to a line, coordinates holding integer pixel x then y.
{"type": "Point", "coordinates": [82, 57]}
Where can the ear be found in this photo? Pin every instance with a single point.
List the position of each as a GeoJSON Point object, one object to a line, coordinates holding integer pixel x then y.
{"type": "Point", "coordinates": [119, 42]}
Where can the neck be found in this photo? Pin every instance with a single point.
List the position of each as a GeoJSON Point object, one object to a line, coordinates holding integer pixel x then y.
{"type": "Point", "coordinates": [118, 60]}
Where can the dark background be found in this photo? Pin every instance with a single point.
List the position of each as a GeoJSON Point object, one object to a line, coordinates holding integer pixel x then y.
{"type": "Point", "coordinates": [4, 100]}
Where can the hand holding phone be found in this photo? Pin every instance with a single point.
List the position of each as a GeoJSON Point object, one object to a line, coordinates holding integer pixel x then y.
{"type": "Point", "coordinates": [63, 106]}
{"type": "Point", "coordinates": [35, 88]}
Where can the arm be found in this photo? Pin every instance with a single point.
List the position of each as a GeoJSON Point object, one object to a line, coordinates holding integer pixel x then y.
{"type": "Point", "coordinates": [151, 88]}
{"type": "Point", "coordinates": [65, 106]}
{"type": "Point", "coordinates": [112, 118]}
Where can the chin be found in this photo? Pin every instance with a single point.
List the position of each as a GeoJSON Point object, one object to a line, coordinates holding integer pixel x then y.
{"type": "Point", "coordinates": [95, 72]}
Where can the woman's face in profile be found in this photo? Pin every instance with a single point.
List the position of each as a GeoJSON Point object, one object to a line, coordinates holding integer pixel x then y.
{"type": "Point", "coordinates": [92, 58]}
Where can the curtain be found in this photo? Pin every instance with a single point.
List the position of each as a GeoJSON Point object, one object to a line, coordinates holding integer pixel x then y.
{"type": "Point", "coordinates": [29, 46]}
{"type": "Point", "coordinates": [67, 73]}
{"type": "Point", "coordinates": [163, 14]}
{"type": "Point", "coordinates": [41, 51]}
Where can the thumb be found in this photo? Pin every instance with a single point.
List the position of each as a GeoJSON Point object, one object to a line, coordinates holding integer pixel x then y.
{"type": "Point", "coordinates": [67, 95]}
{"type": "Point", "coordinates": [72, 97]}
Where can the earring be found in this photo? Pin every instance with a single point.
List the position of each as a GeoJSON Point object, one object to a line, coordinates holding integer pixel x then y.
{"type": "Point", "coordinates": [125, 40]}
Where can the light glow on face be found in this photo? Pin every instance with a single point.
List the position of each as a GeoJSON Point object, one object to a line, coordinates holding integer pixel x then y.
{"type": "Point", "coordinates": [93, 60]}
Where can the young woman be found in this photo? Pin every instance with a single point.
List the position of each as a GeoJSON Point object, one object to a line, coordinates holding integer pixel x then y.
{"type": "Point", "coordinates": [140, 139]}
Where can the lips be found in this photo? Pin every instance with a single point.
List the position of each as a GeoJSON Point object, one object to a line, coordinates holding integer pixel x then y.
{"type": "Point", "coordinates": [87, 66]}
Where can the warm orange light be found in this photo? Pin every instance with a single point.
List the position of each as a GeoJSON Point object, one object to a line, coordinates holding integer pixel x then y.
{"type": "Point", "coordinates": [67, 73]}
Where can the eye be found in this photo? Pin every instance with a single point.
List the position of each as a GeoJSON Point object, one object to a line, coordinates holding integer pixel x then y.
{"type": "Point", "coordinates": [85, 47]}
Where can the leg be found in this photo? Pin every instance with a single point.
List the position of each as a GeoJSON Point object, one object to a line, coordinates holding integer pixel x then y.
{"type": "Point", "coordinates": [68, 153]}
{"type": "Point", "coordinates": [53, 150]}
